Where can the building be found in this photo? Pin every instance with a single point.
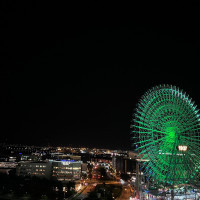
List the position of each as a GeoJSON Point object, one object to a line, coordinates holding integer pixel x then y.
{"type": "Point", "coordinates": [124, 164]}
{"type": "Point", "coordinates": [39, 169]}
{"type": "Point", "coordinates": [6, 167]}
{"type": "Point", "coordinates": [66, 170]}
{"type": "Point", "coordinates": [84, 168]}
{"type": "Point", "coordinates": [62, 156]}
{"type": "Point", "coordinates": [105, 158]}
{"type": "Point", "coordinates": [61, 170]}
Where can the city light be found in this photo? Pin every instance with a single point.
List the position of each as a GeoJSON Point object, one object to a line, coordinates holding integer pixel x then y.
{"type": "Point", "coordinates": [122, 181]}
{"type": "Point", "coordinates": [182, 148]}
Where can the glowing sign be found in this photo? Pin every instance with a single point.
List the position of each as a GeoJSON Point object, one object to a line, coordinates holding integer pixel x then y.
{"type": "Point", "coordinates": [182, 147]}
{"type": "Point", "coordinates": [66, 162]}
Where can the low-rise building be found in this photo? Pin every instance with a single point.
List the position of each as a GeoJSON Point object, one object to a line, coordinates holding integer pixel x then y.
{"type": "Point", "coordinates": [40, 169]}
{"type": "Point", "coordinates": [6, 167]}
{"type": "Point", "coordinates": [66, 170]}
{"type": "Point", "coordinates": [61, 170]}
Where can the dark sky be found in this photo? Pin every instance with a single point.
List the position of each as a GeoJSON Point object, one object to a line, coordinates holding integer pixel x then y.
{"type": "Point", "coordinates": [72, 74]}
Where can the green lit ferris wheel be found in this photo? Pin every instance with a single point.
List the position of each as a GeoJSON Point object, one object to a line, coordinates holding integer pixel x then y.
{"type": "Point", "coordinates": [166, 128]}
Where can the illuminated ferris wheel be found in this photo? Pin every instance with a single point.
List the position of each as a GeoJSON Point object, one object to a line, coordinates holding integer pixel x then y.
{"type": "Point", "coordinates": [166, 128]}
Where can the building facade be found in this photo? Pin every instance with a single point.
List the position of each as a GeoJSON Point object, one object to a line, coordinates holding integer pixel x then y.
{"type": "Point", "coordinates": [62, 170]}
{"type": "Point", "coordinates": [39, 169]}
{"type": "Point", "coordinates": [66, 170]}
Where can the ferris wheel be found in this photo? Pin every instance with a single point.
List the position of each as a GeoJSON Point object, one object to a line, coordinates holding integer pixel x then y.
{"type": "Point", "coordinates": [166, 130]}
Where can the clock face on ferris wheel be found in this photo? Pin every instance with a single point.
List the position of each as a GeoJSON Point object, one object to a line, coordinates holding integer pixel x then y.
{"type": "Point", "coordinates": [166, 128]}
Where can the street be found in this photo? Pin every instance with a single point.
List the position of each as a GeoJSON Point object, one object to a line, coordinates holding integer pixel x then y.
{"type": "Point", "coordinates": [91, 186]}
{"type": "Point", "coordinates": [85, 192]}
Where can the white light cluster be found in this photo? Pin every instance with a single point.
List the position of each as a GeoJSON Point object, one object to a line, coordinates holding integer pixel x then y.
{"type": "Point", "coordinates": [65, 162]}
{"type": "Point", "coordinates": [182, 148]}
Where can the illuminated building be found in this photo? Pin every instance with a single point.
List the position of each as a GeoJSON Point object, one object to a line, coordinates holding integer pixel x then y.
{"type": "Point", "coordinates": [62, 170]}
{"type": "Point", "coordinates": [40, 169]}
{"type": "Point", "coordinates": [124, 164]}
{"type": "Point", "coordinates": [66, 170]}
{"type": "Point", "coordinates": [5, 167]}
{"type": "Point", "coordinates": [62, 156]}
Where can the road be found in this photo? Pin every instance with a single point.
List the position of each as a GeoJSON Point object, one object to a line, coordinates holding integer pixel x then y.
{"type": "Point", "coordinates": [126, 193]}
{"type": "Point", "coordinates": [102, 181]}
{"type": "Point", "coordinates": [84, 194]}
{"type": "Point", "coordinates": [91, 186]}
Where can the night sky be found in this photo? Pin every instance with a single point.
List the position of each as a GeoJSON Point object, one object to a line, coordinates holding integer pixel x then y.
{"type": "Point", "coordinates": [72, 74]}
